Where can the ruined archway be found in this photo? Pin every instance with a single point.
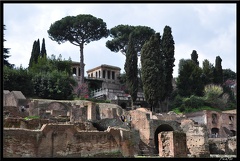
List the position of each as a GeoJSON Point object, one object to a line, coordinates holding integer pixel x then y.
{"type": "Point", "coordinates": [163, 127]}
{"type": "Point", "coordinates": [214, 132]}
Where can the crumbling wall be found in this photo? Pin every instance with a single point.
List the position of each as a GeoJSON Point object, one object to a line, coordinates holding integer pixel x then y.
{"type": "Point", "coordinates": [106, 110]}
{"type": "Point", "coordinates": [231, 146]}
{"type": "Point", "coordinates": [14, 111]}
{"type": "Point", "coordinates": [20, 142]}
{"type": "Point", "coordinates": [78, 113]}
{"type": "Point", "coordinates": [197, 138]}
{"type": "Point", "coordinates": [128, 140]}
{"type": "Point", "coordinates": [62, 140]}
{"type": "Point", "coordinates": [22, 123]}
{"type": "Point", "coordinates": [169, 116]}
{"type": "Point", "coordinates": [223, 146]}
{"type": "Point", "coordinates": [11, 100]}
{"type": "Point", "coordinates": [172, 144]}
{"type": "Point", "coordinates": [141, 121]}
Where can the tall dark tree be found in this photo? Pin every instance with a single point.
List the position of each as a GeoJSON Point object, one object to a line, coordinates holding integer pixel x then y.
{"type": "Point", "coordinates": [43, 52]}
{"type": "Point", "coordinates": [229, 74]}
{"type": "Point", "coordinates": [189, 81]}
{"type": "Point", "coordinates": [168, 55]}
{"type": "Point", "coordinates": [194, 57]}
{"type": "Point", "coordinates": [131, 69]}
{"type": "Point", "coordinates": [120, 38]}
{"type": "Point", "coordinates": [6, 54]}
{"type": "Point", "coordinates": [120, 35]}
{"type": "Point", "coordinates": [218, 72]}
{"type": "Point", "coordinates": [78, 30]}
{"type": "Point", "coordinates": [153, 71]}
{"type": "Point", "coordinates": [208, 70]}
{"type": "Point", "coordinates": [35, 53]}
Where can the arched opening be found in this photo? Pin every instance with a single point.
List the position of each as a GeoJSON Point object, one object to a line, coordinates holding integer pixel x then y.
{"type": "Point", "coordinates": [163, 127]}
{"type": "Point", "coordinates": [214, 132]}
{"type": "Point", "coordinates": [74, 71]}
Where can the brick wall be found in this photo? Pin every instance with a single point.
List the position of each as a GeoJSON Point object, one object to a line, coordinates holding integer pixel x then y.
{"type": "Point", "coordinates": [61, 141]}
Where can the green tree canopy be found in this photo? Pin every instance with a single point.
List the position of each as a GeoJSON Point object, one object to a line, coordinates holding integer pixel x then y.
{"type": "Point", "coordinates": [78, 30]}
{"type": "Point", "coordinates": [168, 55]}
{"type": "Point", "coordinates": [194, 57]}
{"type": "Point", "coordinates": [35, 54]}
{"type": "Point", "coordinates": [208, 70]}
{"type": "Point", "coordinates": [229, 74]}
{"type": "Point", "coordinates": [131, 69]}
{"type": "Point", "coordinates": [6, 54]}
{"type": "Point", "coordinates": [189, 81]}
{"type": "Point", "coordinates": [218, 72]}
{"type": "Point", "coordinates": [153, 71]}
{"type": "Point", "coordinates": [120, 35]}
{"type": "Point", "coordinates": [43, 49]}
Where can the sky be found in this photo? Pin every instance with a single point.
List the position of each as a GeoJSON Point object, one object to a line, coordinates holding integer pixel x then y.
{"type": "Point", "coordinates": [208, 28]}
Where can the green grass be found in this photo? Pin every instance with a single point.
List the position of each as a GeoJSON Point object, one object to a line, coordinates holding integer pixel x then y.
{"type": "Point", "coordinates": [31, 117]}
{"type": "Point", "coordinates": [188, 110]}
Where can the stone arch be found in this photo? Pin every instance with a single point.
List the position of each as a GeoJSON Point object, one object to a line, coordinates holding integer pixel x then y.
{"type": "Point", "coordinates": [163, 127]}
{"type": "Point", "coordinates": [214, 132]}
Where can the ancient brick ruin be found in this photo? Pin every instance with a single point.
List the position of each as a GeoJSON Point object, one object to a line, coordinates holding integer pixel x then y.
{"type": "Point", "coordinates": [85, 129]}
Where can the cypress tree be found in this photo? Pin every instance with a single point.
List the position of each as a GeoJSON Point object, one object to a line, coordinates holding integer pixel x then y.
{"type": "Point", "coordinates": [208, 70]}
{"type": "Point", "coordinates": [218, 72]}
{"type": "Point", "coordinates": [168, 55]}
{"type": "Point", "coordinates": [43, 49]}
{"type": "Point", "coordinates": [6, 54]}
{"type": "Point", "coordinates": [31, 61]}
{"type": "Point", "coordinates": [35, 53]}
{"type": "Point", "coordinates": [131, 70]}
{"type": "Point", "coordinates": [194, 57]}
{"type": "Point", "coordinates": [152, 71]}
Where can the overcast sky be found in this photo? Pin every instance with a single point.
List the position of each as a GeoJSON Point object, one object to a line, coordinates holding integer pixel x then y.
{"type": "Point", "coordinates": [210, 29]}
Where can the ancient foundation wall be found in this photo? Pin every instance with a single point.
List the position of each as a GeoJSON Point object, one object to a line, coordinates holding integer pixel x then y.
{"type": "Point", "coordinates": [106, 110]}
{"type": "Point", "coordinates": [172, 144]}
{"type": "Point", "coordinates": [14, 111]}
{"type": "Point", "coordinates": [226, 146]}
{"type": "Point", "coordinates": [197, 138]}
{"type": "Point", "coordinates": [57, 141]}
{"type": "Point", "coordinates": [22, 123]}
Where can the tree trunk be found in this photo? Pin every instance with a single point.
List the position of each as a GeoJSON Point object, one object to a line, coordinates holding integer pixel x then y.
{"type": "Point", "coordinates": [131, 103]}
{"type": "Point", "coordinates": [81, 64]}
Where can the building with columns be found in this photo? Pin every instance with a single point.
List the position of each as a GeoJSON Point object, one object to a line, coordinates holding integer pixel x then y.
{"type": "Point", "coordinates": [103, 83]}
{"type": "Point", "coordinates": [105, 72]}
{"type": "Point", "coordinates": [76, 69]}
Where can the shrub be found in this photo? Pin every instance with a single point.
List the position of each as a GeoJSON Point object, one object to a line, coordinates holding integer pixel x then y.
{"type": "Point", "coordinates": [193, 102]}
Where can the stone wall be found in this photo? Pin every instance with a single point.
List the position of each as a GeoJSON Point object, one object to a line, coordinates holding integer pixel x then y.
{"type": "Point", "coordinates": [106, 110]}
{"type": "Point", "coordinates": [62, 141]}
{"type": "Point", "coordinates": [223, 145]}
{"type": "Point", "coordinates": [22, 123]}
{"type": "Point", "coordinates": [14, 98]}
{"type": "Point", "coordinates": [14, 111]}
{"type": "Point", "coordinates": [172, 144]}
{"type": "Point", "coordinates": [197, 138]}
{"type": "Point", "coordinates": [219, 124]}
